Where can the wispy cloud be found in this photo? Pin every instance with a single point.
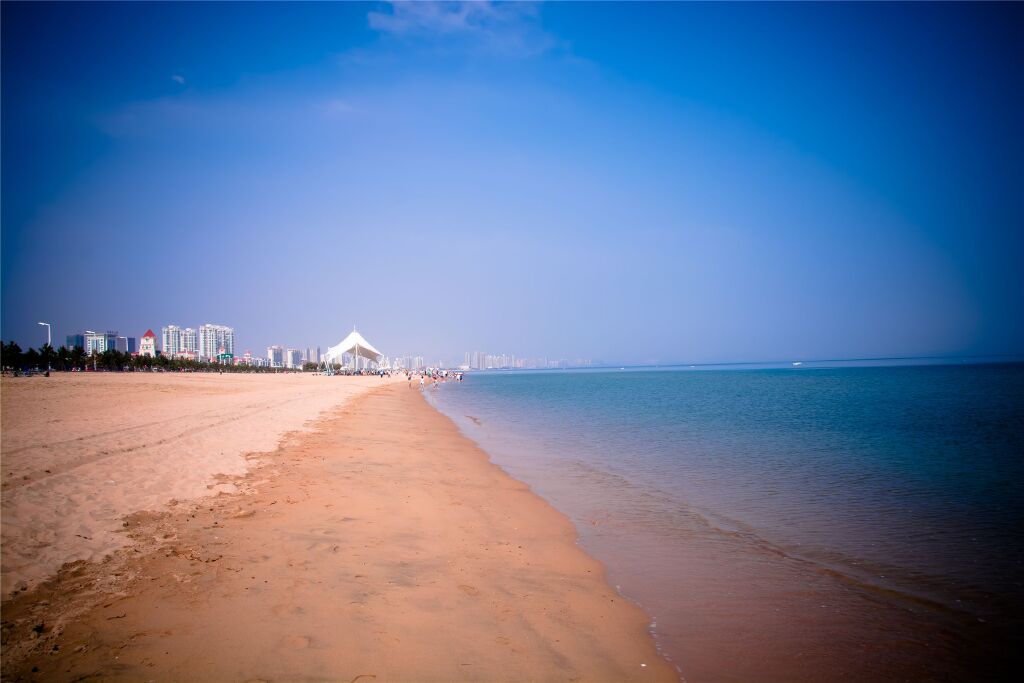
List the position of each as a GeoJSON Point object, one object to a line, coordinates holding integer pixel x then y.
{"type": "Point", "coordinates": [178, 78]}
{"type": "Point", "coordinates": [335, 106]}
{"type": "Point", "coordinates": [509, 28]}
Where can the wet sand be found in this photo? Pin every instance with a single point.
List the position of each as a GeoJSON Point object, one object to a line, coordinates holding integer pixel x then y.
{"type": "Point", "coordinates": [381, 546]}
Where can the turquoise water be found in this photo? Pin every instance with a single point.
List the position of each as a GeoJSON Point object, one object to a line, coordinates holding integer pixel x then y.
{"type": "Point", "coordinates": [790, 523]}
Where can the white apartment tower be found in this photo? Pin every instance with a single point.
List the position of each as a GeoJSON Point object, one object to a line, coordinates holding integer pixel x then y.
{"type": "Point", "coordinates": [275, 354]}
{"type": "Point", "coordinates": [215, 339]}
{"type": "Point", "coordinates": [176, 341]}
{"type": "Point", "coordinates": [190, 341]}
{"type": "Point", "coordinates": [170, 340]}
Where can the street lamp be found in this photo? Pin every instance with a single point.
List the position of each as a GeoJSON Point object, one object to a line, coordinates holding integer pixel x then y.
{"type": "Point", "coordinates": [49, 342]}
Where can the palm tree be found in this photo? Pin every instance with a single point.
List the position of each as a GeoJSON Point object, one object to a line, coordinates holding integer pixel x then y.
{"type": "Point", "coordinates": [30, 359]}
{"type": "Point", "coordinates": [63, 357]}
{"type": "Point", "coordinates": [11, 355]}
{"type": "Point", "coordinates": [111, 359]}
{"type": "Point", "coordinates": [77, 357]}
{"type": "Point", "coordinates": [47, 355]}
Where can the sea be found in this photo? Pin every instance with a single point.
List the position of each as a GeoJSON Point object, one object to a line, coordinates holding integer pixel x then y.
{"type": "Point", "coordinates": [814, 522]}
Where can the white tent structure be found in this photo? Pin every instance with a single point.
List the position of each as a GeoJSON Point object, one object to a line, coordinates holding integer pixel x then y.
{"type": "Point", "coordinates": [355, 346]}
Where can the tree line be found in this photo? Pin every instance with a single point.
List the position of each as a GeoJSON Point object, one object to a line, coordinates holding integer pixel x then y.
{"type": "Point", "coordinates": [65, 359]}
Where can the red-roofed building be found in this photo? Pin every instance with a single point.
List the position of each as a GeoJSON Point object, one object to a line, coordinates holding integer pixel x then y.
{"type": "Point", "coordinates": [147, 347]}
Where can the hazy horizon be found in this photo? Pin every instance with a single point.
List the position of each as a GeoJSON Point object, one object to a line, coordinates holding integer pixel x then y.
{"type": "Point", "coordinates": [634, 183]}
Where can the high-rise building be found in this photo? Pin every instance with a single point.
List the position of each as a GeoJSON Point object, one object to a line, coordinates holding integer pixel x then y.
{"type": "Point", "coordinates": [128, 346]}
{"type": "Point", "coordinates": [313, 354]}
{"type": "Point", "coordinates": [216, 340]}
{"type": "Point", "coordinates": [100, 341]}
{"type": "Point", "coordinates": [75, 341]}
{"type": "Point", "coordinates": [148, 345]}
{"type": "Point", "coordinates": [190, 342]}
{"type": "Point", "coordinates": [275, 354]}
{"type": "Point", "coordinates": [248, 359]}
{"type": "Point", "coordinates": [418, 363]}
{"type": "Point", "coordinates": [170, 340]}
{"type": "Point", "coordinates": [293, 358]}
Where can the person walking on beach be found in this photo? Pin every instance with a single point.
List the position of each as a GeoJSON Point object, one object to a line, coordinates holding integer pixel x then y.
{"type": "Point", "coordinates": [421, 382]}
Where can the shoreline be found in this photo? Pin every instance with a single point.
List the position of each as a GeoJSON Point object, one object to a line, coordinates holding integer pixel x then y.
{"type": "Point", "coordinates": [383, 543]}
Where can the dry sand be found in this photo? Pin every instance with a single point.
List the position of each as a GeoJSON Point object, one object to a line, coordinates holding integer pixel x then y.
{"type": "Point", "coordinates": [79, 451]}
{"type": "Point", "coordinates": [381, 546]}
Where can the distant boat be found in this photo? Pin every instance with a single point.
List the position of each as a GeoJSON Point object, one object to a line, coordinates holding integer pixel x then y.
{"type": "Point", "coordinates": [797, 362]}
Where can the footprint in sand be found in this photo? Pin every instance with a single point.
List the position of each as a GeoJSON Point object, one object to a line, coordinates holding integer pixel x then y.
{"type": "Point", "coordinates": [324, 547]}
{"type": "Point", "coordinates": [287, 610]}
{"type": "Point", "coordinates": [295, 642]}
{"type": "Point", "coordinates": [469, 590]}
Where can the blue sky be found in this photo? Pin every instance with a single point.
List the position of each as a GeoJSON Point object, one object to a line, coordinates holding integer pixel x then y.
{"type": "Point", "coordinates": [629, 182]}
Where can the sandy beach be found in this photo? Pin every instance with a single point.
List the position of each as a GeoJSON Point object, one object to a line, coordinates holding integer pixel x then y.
{"type": "Point", "coordinates": [378, 543]}
{"type": "Point", "coordinates": [82, 450]}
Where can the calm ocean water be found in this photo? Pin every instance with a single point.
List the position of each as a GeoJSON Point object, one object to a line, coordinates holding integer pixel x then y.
{"type": "Point", "coordinates": [855, 523]}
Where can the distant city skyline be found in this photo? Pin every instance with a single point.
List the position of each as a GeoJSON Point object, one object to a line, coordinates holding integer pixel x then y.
{"type": "Point", "coordinates": [479, 360]}
{"type": "Point", "coordinates": [182, 342]}
{"type": "Point", "coordinates": [652, 182]}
